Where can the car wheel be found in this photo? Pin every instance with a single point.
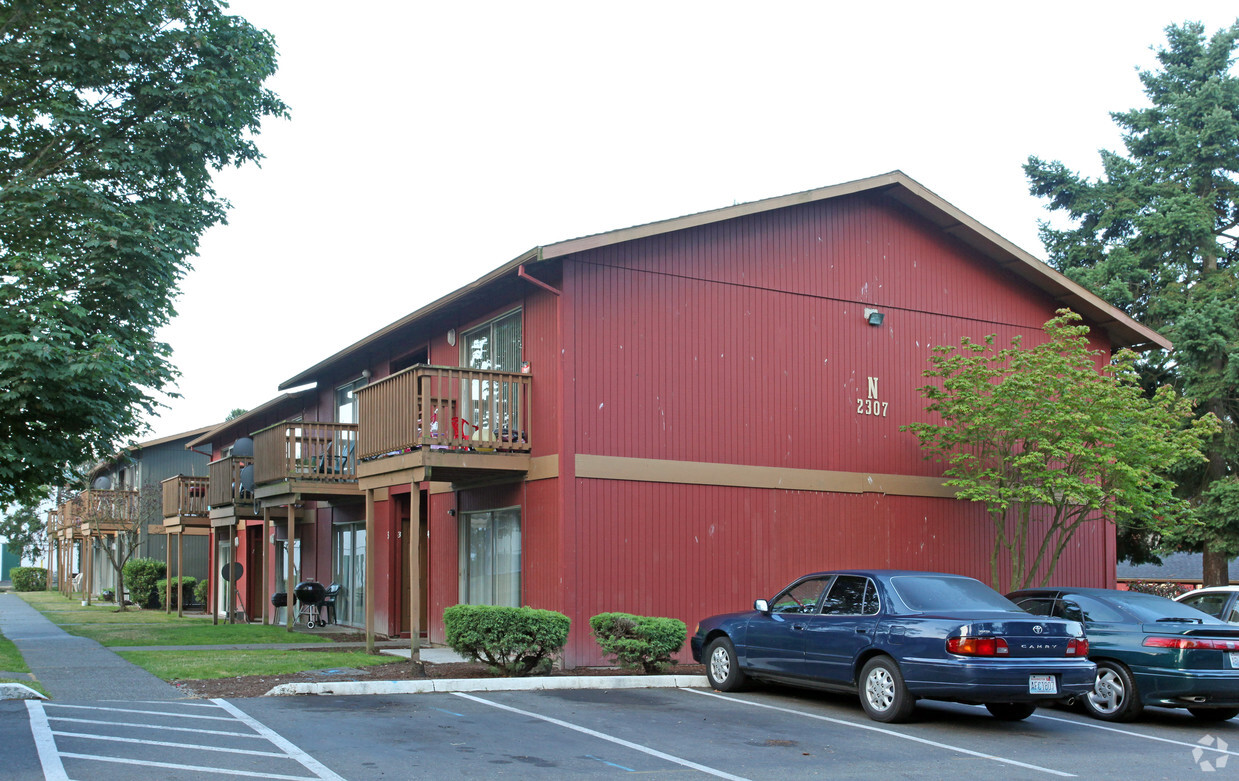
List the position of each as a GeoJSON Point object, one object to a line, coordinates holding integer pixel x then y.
{"type": "Point", "coordinates": [1011, 711]}
{"type": "Point", "coordinates": [1214, 714]}
{"type": "Point", "coordinates": [883, 694]}
{"type": "Point", "coordinates": [722, 668]}
{"type": "Point", "coordinates": [1114, 696]}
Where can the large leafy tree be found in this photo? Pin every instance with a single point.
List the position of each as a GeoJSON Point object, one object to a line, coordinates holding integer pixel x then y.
{"type": "Point", "coordinates": [25, 530]}
{"type": "Point", "coordinates": [113, 116]}
{"type": "Point", "coordinates": [1048, 442]}
{"type": "Point", "coordinates": [1156, 235]}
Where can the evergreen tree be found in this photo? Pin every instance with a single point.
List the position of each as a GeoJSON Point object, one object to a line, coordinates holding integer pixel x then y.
{"type": "Point", "coordinates": [1156, 235]}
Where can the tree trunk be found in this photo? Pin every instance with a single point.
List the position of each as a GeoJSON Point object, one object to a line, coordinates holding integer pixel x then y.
{"type": "Point", "coordinates": [1216, 568]}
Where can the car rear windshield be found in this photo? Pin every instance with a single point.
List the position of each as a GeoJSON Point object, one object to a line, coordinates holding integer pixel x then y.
{"type": "Point", "coordinates": [935, 593]}
{"type": "Point", "coordinates": [1148, 608]}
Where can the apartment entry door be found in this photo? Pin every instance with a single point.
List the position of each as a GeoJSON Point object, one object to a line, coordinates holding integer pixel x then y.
{"type": "Point", "coordinates": [423, 564]}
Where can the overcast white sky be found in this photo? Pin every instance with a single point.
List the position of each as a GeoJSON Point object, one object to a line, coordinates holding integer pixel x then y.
{"type": "Point", "coordinates": [432, 142]}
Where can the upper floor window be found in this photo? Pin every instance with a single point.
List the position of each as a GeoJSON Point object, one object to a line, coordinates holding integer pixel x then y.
{"type": "Point", "coordinates": [494, 346]}
{"type": "Point", "coordinates": [346, 402]}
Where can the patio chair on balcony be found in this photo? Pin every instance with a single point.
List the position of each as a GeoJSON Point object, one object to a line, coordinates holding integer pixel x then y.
{"type": "Point", "coordinates": [337, 463]}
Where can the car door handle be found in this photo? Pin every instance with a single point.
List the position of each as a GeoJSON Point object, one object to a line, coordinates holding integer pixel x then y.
{"type": "Point", "coordinates": [798, 627]}
{"type": "Point", "coordinates": [861, 631]}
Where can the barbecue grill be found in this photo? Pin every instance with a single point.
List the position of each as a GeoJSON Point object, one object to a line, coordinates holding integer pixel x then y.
{"type": "Point", "coordinates": [310, 595]}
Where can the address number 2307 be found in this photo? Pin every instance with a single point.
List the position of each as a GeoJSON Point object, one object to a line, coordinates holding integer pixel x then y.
{"type": "Point", "coordinates": [871, 405]}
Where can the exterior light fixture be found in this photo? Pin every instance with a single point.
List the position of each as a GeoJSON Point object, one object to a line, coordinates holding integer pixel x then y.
{"type": "Point", "coordinates": [874, 316]}
{"type": "Point", "coordinates": [451, 336]}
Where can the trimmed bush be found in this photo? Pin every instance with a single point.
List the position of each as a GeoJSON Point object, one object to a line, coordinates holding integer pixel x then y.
{"type": "Point", "coordinates": [643, 643]}
{"type": "Point", "coordinates": [141, 575]}
{"type": "Point", "coordinates": [200, 591]}
{"type": "Point", "coordinates": [188, 584]}
{"type": "Point", "coordinates": [512, 641]}
{"type": "Point", "coordinates": [28, 578]}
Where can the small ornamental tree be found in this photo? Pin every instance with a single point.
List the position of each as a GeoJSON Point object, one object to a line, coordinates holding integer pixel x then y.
{"type": "Point", "coordinates": [1049, 442]}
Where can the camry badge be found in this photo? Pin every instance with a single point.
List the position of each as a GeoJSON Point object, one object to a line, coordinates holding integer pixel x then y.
{"type": "Point", "coordinates": [1037, 629]}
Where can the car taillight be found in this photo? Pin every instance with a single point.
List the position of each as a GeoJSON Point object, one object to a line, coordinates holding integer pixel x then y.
{"type": "Point", "coordinates": [977, 646]}
{"type": "Point", "coordinates": [1191, 643]}
{"type": "Point", "coordinates": [1077, 646]}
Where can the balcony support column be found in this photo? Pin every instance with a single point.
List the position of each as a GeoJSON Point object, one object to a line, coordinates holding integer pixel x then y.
{"type": "Point", "coordinates": [180, 578]}
{"type": "Point", "coordinates": [167, 576]}
{"type": "Point", "coordinates": [231, 580]}
{"type": "Point", "coordinates": [369, 595]}
{"type": "Point", "coordinates": [265, 552]}
{"type": "Point", "coordinates": [415, 574]}
{"type": "Point", "coordinates": [88, 582]}
{"type": "Point", "coordinates": [288, 581]}
{"type": "Point", "coordinates": [214, 575]}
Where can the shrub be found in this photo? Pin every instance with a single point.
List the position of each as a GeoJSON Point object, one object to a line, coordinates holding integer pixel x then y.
{"type": "Point", "coordinates": [643, 643]}
{"type": "Point", "coordinates": [187, 589]}
{"type": "Point", "coordinates": [200, 591]}
{"type": "Point", "coordinates": [512, 641]}
{"type": "Point", "coordinates": [28, 578]}
{"type": "Point", "coordinates": [141, 575]}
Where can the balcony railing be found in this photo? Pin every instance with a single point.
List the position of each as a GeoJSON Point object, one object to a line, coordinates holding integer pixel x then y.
{"type": "Point", "coordinates": [184, 497]}
{"type": "Point", "coordinates": [111, 507]}
{"type": "Point", "coordinates": [442, 407]}
{"type": "Point", "coordinates": [225, 481]}
{"type": "Point", "coordinates": [306, 451]}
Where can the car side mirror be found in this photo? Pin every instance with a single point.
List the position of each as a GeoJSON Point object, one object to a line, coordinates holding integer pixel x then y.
{"type": "Point", "coordinates": [761, 606]}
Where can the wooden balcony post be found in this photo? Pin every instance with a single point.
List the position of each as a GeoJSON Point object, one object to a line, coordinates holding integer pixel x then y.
{"type": "Point", "coordinates": [88, 582]}
{"type": "Point", "coordinates": [415, 575]}
{"type": "Point", "coordinates": [265, 552]}
{"type": "Point", "coordinates": [180, 578]}
{"type": "Point", "coordinates": [369, 595]}
{"type": "Point", "coordinates": [167, 577]}
{"type": "Point", "coordinates": [288, 581]}
{"type": "Point", "coordinates": [232, 574]}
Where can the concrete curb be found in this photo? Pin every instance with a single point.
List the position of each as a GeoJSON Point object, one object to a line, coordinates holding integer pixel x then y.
{"type": "Point", "coordinates": [16, 691]}
{"type": "Point", "coordinates": [433, 686]}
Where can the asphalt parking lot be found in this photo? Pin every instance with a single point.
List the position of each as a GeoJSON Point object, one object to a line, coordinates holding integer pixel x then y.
{"type": "Point", "coordinates": [660, 733]}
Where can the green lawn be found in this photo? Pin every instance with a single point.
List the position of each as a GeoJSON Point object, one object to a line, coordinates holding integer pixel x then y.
{"type": "Point", "coordinates": [190, 665]}
{"type": "Point", "coordinates": [153, 627]}
{"type": "Point", "coordinates": [10, 658]}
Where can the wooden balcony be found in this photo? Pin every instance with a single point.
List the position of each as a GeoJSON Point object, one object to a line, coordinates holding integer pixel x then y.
{"type": "Point", "coordinates": [224, 482]}
{"type": "Point", "coordinates": [297, 460]}
{"type": "Point", "coordinates": [185, 501]}
{"type": "Point", "coordinates": [100, 510]}
{"type": "Point", "coordinates": [443, 423]}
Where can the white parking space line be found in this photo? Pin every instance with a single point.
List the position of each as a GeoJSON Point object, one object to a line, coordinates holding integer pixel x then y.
{"type": "Point", "coordinates": [45, 742]}
{"type": "Point", "coordinates": [144, 712]}
{"type": "Point", "coordinates": [884, 731]}
{"type": "Point", "coordinates": [1104, 728]}
{"type": "Point", "coordinates": [166, 744]}
{"type": "Point", "coordinates": [52, 758]}
{"type": "Point", "coordinates": [194, 768]}
{"type": "Point", "coordinates": [307, 761]}
{"type": "Point", "coordinates": [160, 727]}
{"type": "Point", "coordinates": [603, 736]}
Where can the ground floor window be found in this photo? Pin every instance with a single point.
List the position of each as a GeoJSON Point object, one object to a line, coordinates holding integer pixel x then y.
{"type": "Point", "coordinates": [349, 571]}
{"type": "Point", "coordinates": [490, 557]}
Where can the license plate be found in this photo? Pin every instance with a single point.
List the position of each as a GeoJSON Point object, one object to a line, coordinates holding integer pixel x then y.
{"type": "Point", "coordinates": [1234, 660]}
{"type": "Point", "coordinates": [1042, 684]}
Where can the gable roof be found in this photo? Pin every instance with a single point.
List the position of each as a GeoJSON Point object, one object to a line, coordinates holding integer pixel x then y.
{"type": "Point", "coordinates": [244, 420]}
{"type": "Point", "coordinates": [896, 185]}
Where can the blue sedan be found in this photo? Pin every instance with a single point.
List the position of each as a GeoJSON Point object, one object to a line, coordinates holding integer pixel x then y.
{"type": "Point", "coordinates": [895, 636]}
{"type": "Point", "coordinates": [1149, 650]}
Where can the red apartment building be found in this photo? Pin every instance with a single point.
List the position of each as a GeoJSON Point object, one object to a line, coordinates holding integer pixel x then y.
{"type": "Point", "coordinates": [670, 419]}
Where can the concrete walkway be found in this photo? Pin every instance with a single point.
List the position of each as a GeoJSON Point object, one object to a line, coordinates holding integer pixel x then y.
{"type": "Point", "coordinates": [74, 668]}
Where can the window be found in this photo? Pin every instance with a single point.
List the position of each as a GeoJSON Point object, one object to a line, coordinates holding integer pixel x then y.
{"type": "Point", "coordinates": [1087, 611]}
{"type": "Point", "coordinates": [490, 557]}
{"type": "Point", "coordinates": [349, 572]}
{"type": "Point", "coordinates": [346, 402]}
{"type": "Point", "coordinates": [495, 346]}
{"type": "Point", "coordinates": [800, 598]}
{"type": "Point", "coordinates": [851, 595]}
{"type": "Point", "coordinates": [1213, 602]}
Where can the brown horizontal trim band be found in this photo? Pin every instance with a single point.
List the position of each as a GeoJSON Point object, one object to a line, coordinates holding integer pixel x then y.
{"type": "Point", "coordinates": [653, 470]}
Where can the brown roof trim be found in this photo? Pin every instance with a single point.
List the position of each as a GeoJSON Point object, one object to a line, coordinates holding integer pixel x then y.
{"type": "Point", "coordinates": [209, 434]}
{"type": "Point", "coordinates": [171, 438]}
{"type": "Point", "coordinates": [1122, 329]}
